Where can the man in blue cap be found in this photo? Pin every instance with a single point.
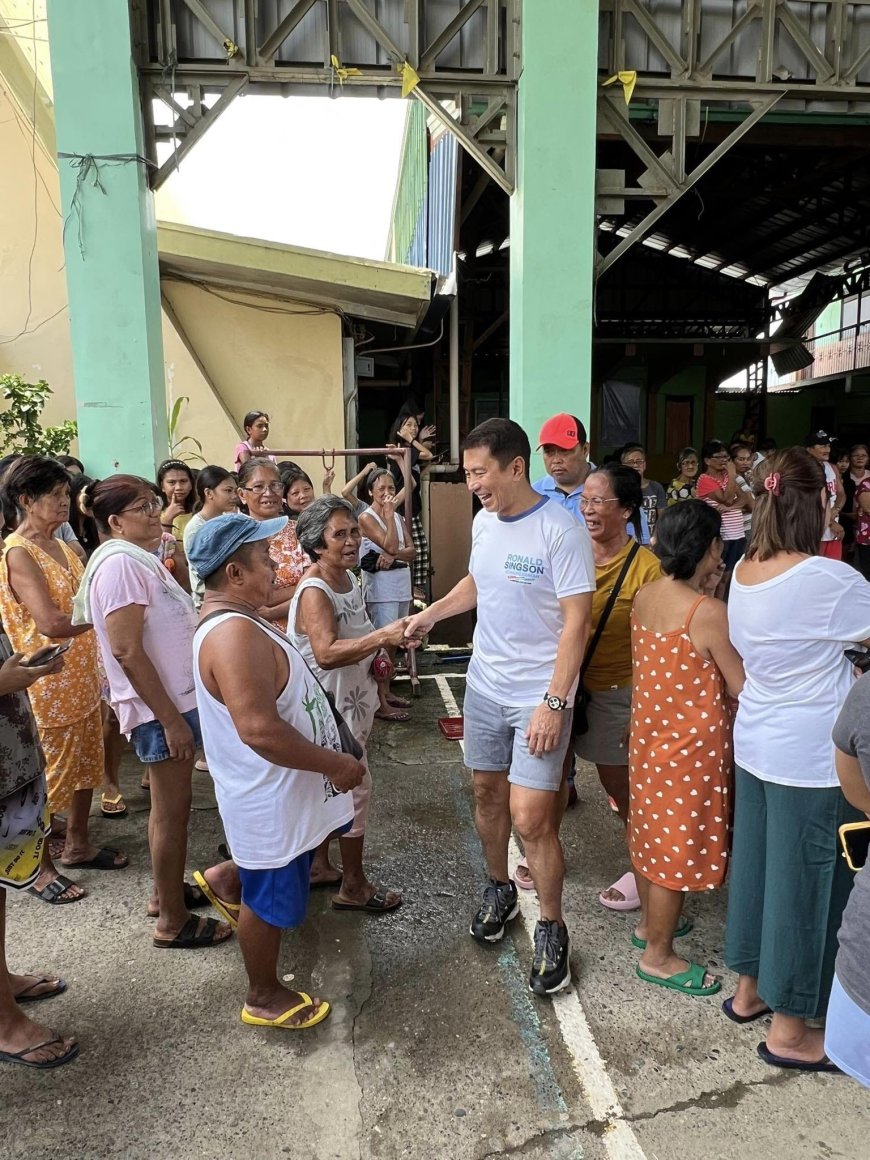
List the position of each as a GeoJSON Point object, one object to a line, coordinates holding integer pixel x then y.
{"type": "Point", "coordinates": [274, 752]}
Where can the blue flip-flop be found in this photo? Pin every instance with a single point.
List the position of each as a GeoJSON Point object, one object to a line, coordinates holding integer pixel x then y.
{"type": "Point", "coordinates": [728, 1008]}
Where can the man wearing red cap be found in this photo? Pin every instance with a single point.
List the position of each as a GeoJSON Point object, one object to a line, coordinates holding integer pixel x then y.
{"type": "Point", "coordinates": [565, 447]}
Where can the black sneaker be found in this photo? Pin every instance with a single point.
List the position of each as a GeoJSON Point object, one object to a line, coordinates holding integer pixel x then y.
{"type": "Point", "coordinates": [500, 905]}
{"type": "Point", "coordinates": [551, 966]}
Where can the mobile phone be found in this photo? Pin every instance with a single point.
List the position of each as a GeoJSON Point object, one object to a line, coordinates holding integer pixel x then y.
{"type": "Point", "coordinates": [855, 840]}
{"type": "Point", "coordinates": [860, 658]}
{"type": "Point", "coordinates": [45, 657]}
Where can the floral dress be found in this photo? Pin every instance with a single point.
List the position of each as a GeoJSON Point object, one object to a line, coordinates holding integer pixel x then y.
{"type": "Point", "coordinates": [66, 705]}
{"type": "Point", "coordinates": [680, 764]}
{"type": "Point", "coordinates": [291, 562]}
{"type": "Point", "coordinates": [353, 686]}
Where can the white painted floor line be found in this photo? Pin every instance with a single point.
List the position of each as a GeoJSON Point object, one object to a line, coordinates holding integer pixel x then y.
{"type": "Point", "coordinates": [620, 1142]}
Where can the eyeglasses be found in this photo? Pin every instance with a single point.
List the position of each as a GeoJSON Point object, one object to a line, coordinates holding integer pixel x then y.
{"type": "Point", "coordinates": [149, 508]}
{"type": "Point", "coordinates": [596, 501]}
{"type": "Point", "coordinates": [723, 456]}
{"type": "Point", "coordinates": [260, 488]}
{"type": "Point", "coordinates": [635, 463]}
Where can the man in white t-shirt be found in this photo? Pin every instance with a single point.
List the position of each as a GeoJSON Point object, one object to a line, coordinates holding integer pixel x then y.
{"type": "Point", "coordinates": [531, 578]}
{"type": "Point", "coordinates": [818, 444]}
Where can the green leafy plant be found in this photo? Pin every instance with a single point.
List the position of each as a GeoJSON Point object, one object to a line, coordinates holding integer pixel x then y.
{"type": "Point", "coordinates": [19, 423]}
{"type": "Point", "coordinates": [177, 450]}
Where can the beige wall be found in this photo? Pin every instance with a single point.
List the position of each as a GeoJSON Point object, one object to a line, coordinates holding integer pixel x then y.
{"type": "Point", "coordinates": [287, 365]}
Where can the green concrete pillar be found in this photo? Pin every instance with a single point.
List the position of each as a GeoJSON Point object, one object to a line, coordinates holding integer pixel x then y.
{"type": "Point", "coordinates": [553, 214]}
{"type": "Point", "coordinates": [110, 239]}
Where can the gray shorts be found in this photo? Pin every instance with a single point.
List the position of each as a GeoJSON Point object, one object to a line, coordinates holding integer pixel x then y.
{"type": "Point", "coordinates": [495, 741]}
{"type": "Point", "coordinates": [384, 612]}
{"type": "Point", "coordinates": [608, 713]}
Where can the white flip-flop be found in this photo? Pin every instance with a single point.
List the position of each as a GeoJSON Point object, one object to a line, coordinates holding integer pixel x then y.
{"type": "Point", "coordinates": [627, 886]}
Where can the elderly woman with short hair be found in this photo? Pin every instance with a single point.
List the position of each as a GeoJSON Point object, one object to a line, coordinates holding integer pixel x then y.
{"type": "Point", "coordinates": [329, 625]}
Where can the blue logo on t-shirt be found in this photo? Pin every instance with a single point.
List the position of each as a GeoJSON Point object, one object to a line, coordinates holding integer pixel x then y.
{"type": "Point", "coordinates": [523, 569]}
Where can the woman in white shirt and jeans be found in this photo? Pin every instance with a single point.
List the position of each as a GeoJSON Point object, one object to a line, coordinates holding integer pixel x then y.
{"type": "Point", "coordinates": [386, 590]}
{"type": "Point", "coordinates": [791, 614]}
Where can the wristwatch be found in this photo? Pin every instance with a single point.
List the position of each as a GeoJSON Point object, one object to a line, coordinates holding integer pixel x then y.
{"type": "Point", "coordinates": [555, 703]}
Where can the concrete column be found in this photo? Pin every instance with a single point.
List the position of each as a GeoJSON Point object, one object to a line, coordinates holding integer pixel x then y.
{"type": "Point", "coordinates": [110, 239]}
{"type": "Point", "coordinates": [553, 214]}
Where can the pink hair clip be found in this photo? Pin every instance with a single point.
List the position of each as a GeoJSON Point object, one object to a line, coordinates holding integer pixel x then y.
{"type": "Point", "coordinates": [772, 483]}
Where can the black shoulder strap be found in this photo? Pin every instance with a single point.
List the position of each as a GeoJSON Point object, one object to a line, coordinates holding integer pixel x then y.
{"type": "Point", "coordinates": [608, 608]}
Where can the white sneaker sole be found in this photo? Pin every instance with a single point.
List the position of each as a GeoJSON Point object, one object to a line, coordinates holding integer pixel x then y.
{"type": "Point", "coordinates": [493, 938]}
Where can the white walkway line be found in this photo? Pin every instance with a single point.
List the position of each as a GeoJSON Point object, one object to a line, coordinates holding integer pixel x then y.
{"type": "Point", "coordinates": [620, 1142]}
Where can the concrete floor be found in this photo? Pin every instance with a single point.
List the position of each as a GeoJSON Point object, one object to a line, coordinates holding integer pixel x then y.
{"type": "Point", "coordinates": [435, 1050]}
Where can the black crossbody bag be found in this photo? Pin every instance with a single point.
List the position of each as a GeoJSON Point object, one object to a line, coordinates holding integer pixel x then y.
{"type": "Point", "coordinates": [580, 723]}
{"type": "Point", "coordinates": [349, 743]}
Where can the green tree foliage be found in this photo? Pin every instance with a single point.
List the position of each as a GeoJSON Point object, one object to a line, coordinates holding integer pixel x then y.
{"type": "Point", "coordinates": [20, 428]}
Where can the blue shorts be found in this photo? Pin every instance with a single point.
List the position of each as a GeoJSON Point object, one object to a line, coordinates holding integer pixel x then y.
{"type": "Point", "coordinates": [278, 897]}
{"type": "Point", "coordinates": [149, 740]}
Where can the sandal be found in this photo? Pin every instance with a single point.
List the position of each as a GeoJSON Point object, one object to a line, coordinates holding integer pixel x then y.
{"type": "Point", "coordinates": [823, 1064]}
{"type": "Point", "coordinates": [688, 982]}
{"type": "Point", "coordinates": [728, 1008]}
{"type": "Point", "coordinates": [229, 911]}
{"type": "Point", "coordinates": [53, 891]}
{"type": "Point", "coordinates": [194, 899]}
{"type": "Point", "coordinates": [119, 806]}
{"type": "Point", "coordinates": [683, 927]}
{"type": "Point", "coordinates": [320, 1012]}
{"type": "Point", "coordinates": [627, 887]}
{"type": "Point", "coordinates": [103, 860]}
{"type": "Point", "coordinates": [191, 936]}
{"type": "Point", "coordinates": [396, 715]}
{"type": "Point", "coordinates": [377, 904]}
{"type": "Point", "coordinates": [25, 997]}
{"type": "Point", "coordinates": [523, 880]}
{"type": "Point", "coordinates": [58, 1061]}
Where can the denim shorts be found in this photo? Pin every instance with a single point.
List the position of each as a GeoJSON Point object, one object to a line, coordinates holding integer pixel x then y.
{"type": "Point", "coordinates": [495, 740]}
{"type": "Point", "coordinates": [149, 740]}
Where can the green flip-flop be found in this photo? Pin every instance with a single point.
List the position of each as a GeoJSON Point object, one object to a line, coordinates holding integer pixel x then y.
{"type": "Point", "coordinates": [689, 982]}
{"type": "Point", "coordinates": [683, 927]}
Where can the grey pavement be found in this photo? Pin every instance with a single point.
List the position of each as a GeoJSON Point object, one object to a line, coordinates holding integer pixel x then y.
{"type": "Point", "coordinates": [435, 1048]}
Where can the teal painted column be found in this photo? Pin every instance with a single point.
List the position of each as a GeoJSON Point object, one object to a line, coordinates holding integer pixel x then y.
{"type": "Point", "coordinates": [110, 240]}
{"type": "Point", "coordinates": [553, 214]}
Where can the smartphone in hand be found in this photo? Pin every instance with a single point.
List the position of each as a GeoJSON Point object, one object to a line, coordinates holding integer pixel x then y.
{"type": "Point", "coordinates": [44, 656]}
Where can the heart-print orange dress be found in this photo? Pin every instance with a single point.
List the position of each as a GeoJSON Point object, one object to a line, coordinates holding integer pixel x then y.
{"type": "Point", "coordinates": [680, 764]}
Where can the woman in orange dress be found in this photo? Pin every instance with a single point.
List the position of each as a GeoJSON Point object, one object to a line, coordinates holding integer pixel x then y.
{"type": "Point", "coordinates": [261, 491]}
{"type": "Point", "coordinates": [680, 765]}
{"type": "Point", "coordinates": [39, 576]}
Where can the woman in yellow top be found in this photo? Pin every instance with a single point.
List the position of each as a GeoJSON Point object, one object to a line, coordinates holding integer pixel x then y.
{"type": "Point", "coordinates": [611, 501]}
{"type": "Point", "coordinates": [176, 483]}
{"type": "Point", "coordinates": [39, 576]}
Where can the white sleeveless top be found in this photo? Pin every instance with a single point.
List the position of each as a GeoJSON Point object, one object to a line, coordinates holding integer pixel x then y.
{"type": "Point", "coordinates": [353, 686]}
{"type": "Point", "coordinates": [394, 584]}
{"type": "Point", "coordinates": [271, 814]}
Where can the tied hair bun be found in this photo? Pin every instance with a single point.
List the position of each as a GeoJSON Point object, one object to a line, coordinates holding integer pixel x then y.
{"type": "Point", "coordinates": [85, 501]}
{"type": "Point", "coordinates": [680, 565]}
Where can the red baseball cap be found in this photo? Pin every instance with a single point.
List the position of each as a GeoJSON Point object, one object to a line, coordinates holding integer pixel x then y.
{"type": "Point", "coordinates": [564, 431]}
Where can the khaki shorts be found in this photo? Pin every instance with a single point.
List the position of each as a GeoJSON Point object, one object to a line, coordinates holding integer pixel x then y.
{"type": "Point", "coordinates": [608, 713]}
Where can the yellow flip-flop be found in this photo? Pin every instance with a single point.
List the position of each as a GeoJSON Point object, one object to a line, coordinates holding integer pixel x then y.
{"type": "Point", "coordinates": [113, 801]}
{"type": "Point", "coordinates": [320, 1013]}
{"type": "Point", "coordinates": [229, 911]}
